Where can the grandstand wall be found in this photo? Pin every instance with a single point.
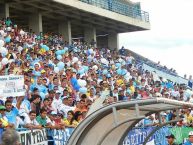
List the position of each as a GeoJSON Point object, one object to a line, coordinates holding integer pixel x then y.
{"type": "Point", "coordinates": [75, 18]}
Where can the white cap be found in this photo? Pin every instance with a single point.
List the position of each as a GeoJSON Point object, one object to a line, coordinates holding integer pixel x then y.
{"type": "Point", "coordinates": [58, 92]}
{"type": "Point", "coordinates": [190, 133]}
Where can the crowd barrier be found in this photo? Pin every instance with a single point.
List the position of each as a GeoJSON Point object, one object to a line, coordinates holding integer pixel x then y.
{"type": "Point", "coordinates": [138, 135]}
{"type": "Point", "coordinates": [44, 136]}
{"type": "Point", "coordinates": [135, 137]}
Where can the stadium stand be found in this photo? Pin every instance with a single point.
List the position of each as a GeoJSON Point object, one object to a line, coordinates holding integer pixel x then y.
{"type": "Point", "coordinates": [62, 79]}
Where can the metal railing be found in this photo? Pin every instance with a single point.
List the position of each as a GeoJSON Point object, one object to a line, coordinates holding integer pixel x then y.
{"type": "Point", "coordinates": [121, 8]}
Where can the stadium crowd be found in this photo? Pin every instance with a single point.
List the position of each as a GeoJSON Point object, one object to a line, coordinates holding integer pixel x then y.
{"type": "Point", "coordinates": [62, 81]}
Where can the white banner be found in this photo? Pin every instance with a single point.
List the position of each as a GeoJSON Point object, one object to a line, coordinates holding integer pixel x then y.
{"type": "Point", "coordinates": [35, 137]}
{"type": "Point", "coordinates": [12, 85]}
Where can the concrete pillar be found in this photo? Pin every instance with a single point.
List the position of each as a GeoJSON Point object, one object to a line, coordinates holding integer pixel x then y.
{"type": "Point", "coordinates": [113, 42]}
{"type": "Point", "coordinates": [4, 10]}
{"type": "Point", "coordinates": [64, 29]}
{"type": "Point", "coordinates": [35, 23]}
{"type": "Point", "coordinates": [102, 41]}
{"type": "Point", "coordinates": [90, 35]}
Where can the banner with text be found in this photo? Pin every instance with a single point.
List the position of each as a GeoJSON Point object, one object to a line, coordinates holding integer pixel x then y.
{"type": "Point", "coordinates": [138, 136]}
{"type": "Point", "coordinates": [35, 137]}
{"type": "Point", "coordinates": [12, 85]}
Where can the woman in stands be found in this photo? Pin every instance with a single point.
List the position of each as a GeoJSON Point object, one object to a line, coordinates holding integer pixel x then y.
{"type": "Point", "coordinates": [70, 120]}
{"type": "Point", "coordinates": [78, 116]}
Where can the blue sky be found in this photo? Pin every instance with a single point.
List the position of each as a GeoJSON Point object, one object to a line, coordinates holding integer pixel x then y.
{"type": "Point", "coordinates": [170, 39]}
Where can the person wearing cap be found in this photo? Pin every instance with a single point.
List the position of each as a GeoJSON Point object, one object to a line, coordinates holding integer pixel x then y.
{"type": "Point", "coordinates": [170, 139]}
{"type": "Point", "coordinates": [36, 72]}
{"type": "Point", "coordinates": [190, 139]}
{"type": "Point", "coordinates": [56, 121]}
{"type": "Point", "coordinates": [3, 118]}
{"type": "Point", "coordinates": [64, 107]}
{"type": "Point", "coordinates": [56, 101]}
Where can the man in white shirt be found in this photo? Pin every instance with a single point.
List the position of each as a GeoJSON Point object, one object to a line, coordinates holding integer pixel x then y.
{"type": "Point", "coordinates": [57, 101]}
{"type": "Point", "coordinates": [64, 107]}
{"type": "Point", "coordinates": [175, 93]}
{"type": "Point", "coordinates": [31, 122]}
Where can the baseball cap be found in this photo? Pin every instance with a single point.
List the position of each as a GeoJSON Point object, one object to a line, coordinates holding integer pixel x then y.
{"type": "Point", "coordinates": [170, 136]}
{"type": "Point", "coordinates": [52, 91]}
{"type": "Point", "coordinates": [43, 71]}
{"type": "Point", "coordinates": [2, 107]}
{"type": "Point", "coordinates": [190, 133]}
{"type": "Point", "coordinates": [53, 113]}
{"type": "Point", "coordinates": [58, 92]}
{"type": "Point", "coordinates": [64, 97]}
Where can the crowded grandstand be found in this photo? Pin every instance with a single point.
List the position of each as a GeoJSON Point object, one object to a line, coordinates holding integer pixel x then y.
{"type": "Point", "coordinates": [62, 80]}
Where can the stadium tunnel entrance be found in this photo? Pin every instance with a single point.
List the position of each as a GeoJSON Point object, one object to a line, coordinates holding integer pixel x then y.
{"type": "Point", "coordinates": [111, 124]}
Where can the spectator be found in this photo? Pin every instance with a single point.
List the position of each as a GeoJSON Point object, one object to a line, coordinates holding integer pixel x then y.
{"type": "Point", "coordinates": [64, 107]}
{"type": "Point", "coordinates": [12, 112]}
{"type": "Point", "coordinates": [70, 120]}
{"type": "Point", "coordinates": [10, 137]}
{"type": "Point", "coordinates": [190, 139]}
{"type": "Point", "coordinates": [43, 120]}
{"type": "Point", "coordinates": [56, 121]}
{"type": "Point", "coordinates": [3, 119]}
{"type": "Point", "coordinates": [80, 106]}
{"type": "Point", "coordinates": [78, 116]}
{"type": "Point", "coordinates": [188, 117]}
{"type": "Point", "coordinates": [35, 104]}
{"type": "Point", "coordinates": [31, 122]}
{"type": "Point", "coordinates": [170, 139]}
{"type": "Point", "coordinates": [190, 82]}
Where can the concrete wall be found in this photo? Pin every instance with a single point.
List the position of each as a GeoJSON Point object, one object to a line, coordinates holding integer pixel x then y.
{"type": "Point", "coordinates": [4, 10]}
{"type": "Point", "coordinates": [104, 13]}
{"type": "Point", "coordinates": [35, 22]}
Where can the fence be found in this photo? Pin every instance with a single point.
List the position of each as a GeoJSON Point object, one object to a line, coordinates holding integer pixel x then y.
{"type": "Point", "coordinates": [121, 8]}
{"type": "Point", "coordinates": [135, 137]}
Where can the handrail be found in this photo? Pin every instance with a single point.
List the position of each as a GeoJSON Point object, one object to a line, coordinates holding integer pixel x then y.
{"type": "Point", "coordinates": [118, 7]}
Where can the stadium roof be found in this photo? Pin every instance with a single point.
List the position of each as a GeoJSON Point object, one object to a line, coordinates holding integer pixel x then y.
{"type": "Point", "coordinates": [79, 13]}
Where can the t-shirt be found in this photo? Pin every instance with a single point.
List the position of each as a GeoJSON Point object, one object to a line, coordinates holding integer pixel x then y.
{"type": "Point", "coordinates": [41, 88]}
{"type": "Point", "coordinates": [64, 109]}
{"type": "Point", "coordinates": [189, 118]}
{"type": "Point", "coordinates": [43, 121]}
{"type": "Point", "coordinates": [11, 116]}
{"type": "Point", "coordinates": [147, 122]}
{"type": "Point", "coordinates": [175, 94]}
{"type": "Point", "coordinates": [56, 103]}
{"type": "Point", "coordinates": [27, 120]}
{"type": "Point", "coordinates": [68, 122]}
{"type": "Point", "coordinates": [4, 120]}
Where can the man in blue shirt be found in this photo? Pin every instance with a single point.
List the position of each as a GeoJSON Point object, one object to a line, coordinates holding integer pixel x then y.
{"type": "Point", "coordinates": [190, 139]}
{"type": "Point", "coordinates": [12, 112]}
{"type": "Point", "coordinates": [39, 86]}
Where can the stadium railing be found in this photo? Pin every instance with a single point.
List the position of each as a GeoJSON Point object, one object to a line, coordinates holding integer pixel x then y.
{"type": "Point", "coordinates": [60, 137]}
{"type": "Point", "coordinates": [121, 8]}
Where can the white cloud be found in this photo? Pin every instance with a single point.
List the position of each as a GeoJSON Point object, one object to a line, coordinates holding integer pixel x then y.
{"type": "Point", "coordinates": [170, 39]}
